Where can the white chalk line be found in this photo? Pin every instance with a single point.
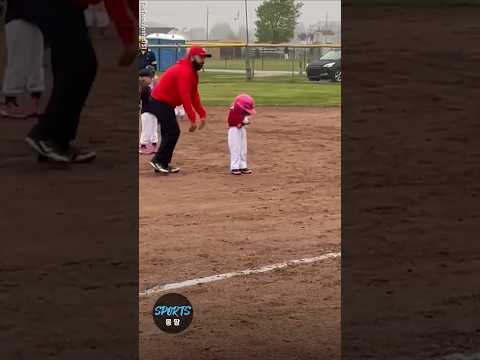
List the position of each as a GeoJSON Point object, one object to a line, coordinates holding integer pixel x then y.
{"type": "Point", "coordinates": [208, 279]}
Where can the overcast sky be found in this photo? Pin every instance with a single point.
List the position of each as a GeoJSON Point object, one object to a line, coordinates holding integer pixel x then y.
{"type": "Point", "coordinates": [188, 14]}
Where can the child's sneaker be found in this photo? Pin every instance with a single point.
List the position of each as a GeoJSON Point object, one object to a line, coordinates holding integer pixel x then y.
{"type": "Point", "coordinates": [152, 148]}
{"type": "Point", "coordinates": [12, 110]}
{"type": "Point", "coordinates": [236, 172]}
{"type": "Point", "coordinates": [144, 150]}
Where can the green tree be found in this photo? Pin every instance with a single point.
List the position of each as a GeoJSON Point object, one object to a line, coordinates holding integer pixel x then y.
{"type": "Point", "coordinates": [276, 20]}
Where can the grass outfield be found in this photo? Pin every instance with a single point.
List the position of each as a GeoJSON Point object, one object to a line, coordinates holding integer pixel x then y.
{"type": "Point", "coordinates": [221, 89]}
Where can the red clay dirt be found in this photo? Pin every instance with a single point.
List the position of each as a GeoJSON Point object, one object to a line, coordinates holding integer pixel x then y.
{"type": "Point", "coordinates": [410, 223]}
{"type": "Point", "coordinates": [204, 221]}
{"type": "Point", "coordinates": [62, 273]}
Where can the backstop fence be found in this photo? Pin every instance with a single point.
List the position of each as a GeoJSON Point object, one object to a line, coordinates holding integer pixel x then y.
{"type": "Point", "coordinates": [252, 59]}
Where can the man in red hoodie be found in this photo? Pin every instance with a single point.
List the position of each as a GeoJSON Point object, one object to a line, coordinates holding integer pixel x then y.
{"type": "Point", "coordinates": [177, 86]}
{"type": "Point", "coordinates": [74, 67]}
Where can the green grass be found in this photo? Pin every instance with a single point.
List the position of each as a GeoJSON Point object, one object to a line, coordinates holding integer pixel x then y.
{"type": "Point", "coordinates": [221, 89]}
{"type": "Point", "coordinates": [268, 64]}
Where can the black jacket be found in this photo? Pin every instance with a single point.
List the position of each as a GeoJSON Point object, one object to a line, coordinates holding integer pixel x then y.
{"type": "Point", "coordinates": [148, 58]}
{"type": "Point", "coordinates": [18, 9]}
{"type": "Point", "coordinates": [145, 98]}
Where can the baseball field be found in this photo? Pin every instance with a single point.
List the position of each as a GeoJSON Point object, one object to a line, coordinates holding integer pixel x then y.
{"type": "Point", "coordinates": [205, 222]}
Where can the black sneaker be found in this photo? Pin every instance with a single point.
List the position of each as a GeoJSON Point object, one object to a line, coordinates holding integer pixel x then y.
{"type": "Point", "coordinates": [173, 169]}
{"type": "Point", "coordinates": [246, 171]}
{"type": "Point", "coordinates": [159, 167]}
{"type": "Point", "coordinates": [236, 172]}
{"type": "Point", "coordinates": [81, 156]}
{"type": "Point", "coordinates": [48, 149]}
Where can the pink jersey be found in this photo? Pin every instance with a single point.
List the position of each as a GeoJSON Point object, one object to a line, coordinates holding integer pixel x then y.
{"type": "Point", "coordinates": [236, 116]}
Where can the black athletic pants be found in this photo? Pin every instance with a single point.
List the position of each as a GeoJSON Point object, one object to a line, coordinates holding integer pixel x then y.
{"type": "Point", "coordinates": [74, 67]}
{"type": "Point", "coordinates": [169, 130]}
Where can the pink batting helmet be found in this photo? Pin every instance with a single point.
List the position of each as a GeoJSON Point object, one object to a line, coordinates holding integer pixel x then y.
{"type": "Point", "coordinates": [245, 102]}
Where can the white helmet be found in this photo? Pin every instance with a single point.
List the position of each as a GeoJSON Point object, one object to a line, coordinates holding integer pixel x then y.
{"type": "Point", "coordinates": [143, 43]}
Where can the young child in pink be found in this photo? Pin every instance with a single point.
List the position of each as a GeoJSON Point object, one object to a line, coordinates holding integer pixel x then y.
{"type": "Point", "coordinates": [237, 120]}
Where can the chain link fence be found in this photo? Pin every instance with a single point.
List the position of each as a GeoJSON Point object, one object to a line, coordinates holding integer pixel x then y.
{"type": "Point", "coordinates": [264, 59]}
{"type": "Point", "coordinates": [258, 59]}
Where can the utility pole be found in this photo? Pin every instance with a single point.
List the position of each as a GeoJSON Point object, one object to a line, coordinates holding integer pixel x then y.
{"type": "Point", "coordinates": [248, 66]}
{"type": "Point", "coordinates": [325, 29]}
{"type": "Point", "coordinates": [208, 12]}
{"type": "Point", "coordinates": [236, 20]}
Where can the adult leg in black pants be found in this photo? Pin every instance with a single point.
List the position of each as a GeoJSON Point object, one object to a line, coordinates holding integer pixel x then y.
{"type": "Point", "coordinates": [170, 132]}
{"type": "Point", "coordinates": [74, 67]}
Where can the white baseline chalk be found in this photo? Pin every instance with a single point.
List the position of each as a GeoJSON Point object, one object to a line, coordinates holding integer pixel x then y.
{"type": "Point", "coordinates": [208, 279]}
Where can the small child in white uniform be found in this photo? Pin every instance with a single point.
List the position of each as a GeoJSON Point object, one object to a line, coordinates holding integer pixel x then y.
{"type": "Point", "coordinates": [237, 120]}
{"type": "Point", "coordinates": [180, 112]}
{"type": "Point", "coordinates": [24, 70]}
{"type": "Point", "coordinates": [149, 122]}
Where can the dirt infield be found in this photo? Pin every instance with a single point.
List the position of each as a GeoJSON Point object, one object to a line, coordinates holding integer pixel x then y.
{"type": "Point", "coordinates": [204, 221]}
{"type": "Point", "coordinates": [61, 271]}
{"type": "Point", "coordinates": [410, 222]}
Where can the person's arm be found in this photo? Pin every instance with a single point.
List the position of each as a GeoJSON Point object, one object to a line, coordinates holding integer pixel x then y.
{"type": "Point", "coordinates": [126, 26]}
{"type": "Point", "coordinates": [124, 22]}
{"type": "Point", "coordinates": [197, 105]}
{"type": "Point", "coordinates": [227, 125]}
{"type": "Point", "coordinates": [184, 86]}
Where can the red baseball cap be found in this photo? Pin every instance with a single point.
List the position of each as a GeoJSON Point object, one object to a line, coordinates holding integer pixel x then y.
{"type": "Point", "coordinates": [196, 50]}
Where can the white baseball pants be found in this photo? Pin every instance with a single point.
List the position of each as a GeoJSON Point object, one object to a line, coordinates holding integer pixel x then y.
{"type": "Point", "coordinates": [96, 15]}
{"type": "Point", "coordinates": [149, 133]}
{"type": "Point", "coordinates": [179, 111]}
{"type": "Point", "coordinates": [24, 71]}
{"type": "Point", "coordinates": [237, 143]}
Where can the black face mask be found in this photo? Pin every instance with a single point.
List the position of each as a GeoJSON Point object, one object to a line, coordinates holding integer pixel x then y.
{"type": "Point", "coordinates": [196, 65]}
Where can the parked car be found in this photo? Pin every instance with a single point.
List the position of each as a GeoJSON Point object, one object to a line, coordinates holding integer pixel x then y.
{"type": "Point", "coordinates": [329, 66]}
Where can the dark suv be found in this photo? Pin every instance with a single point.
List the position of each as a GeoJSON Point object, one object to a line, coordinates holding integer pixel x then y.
{"type": "Point", "coordinates": [329, 66]}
